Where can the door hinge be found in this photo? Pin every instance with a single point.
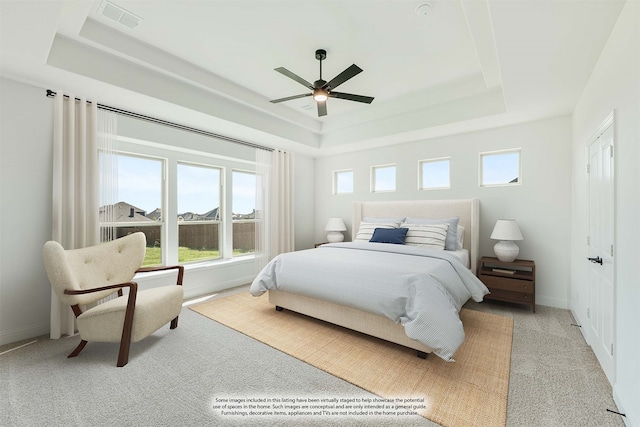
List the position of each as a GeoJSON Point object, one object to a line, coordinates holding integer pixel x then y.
{"type": "Point", "coordinates": [611, 250]}
{"type": "Point", "coordinates": [612, 349]}
{"type": "Point", "coordinates": [588, 313]}
{"type": "Point", "coordinates": [611, 150]}
{"type": "Point", "coordinates": [588, 240]}
{"type": "Point", "coordinates": [588, 168]}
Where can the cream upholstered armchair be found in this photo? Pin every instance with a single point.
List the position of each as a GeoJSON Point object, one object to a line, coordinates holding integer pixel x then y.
{"type": "Point", "coordinates": [84, 276]}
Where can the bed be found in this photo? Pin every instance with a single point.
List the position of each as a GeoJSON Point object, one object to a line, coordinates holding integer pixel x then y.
{"type": "Point", "coordinates": [306, 281]}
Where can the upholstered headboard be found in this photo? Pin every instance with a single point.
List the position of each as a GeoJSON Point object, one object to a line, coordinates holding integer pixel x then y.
{"type": "Point", "coordinates": [467, 209]}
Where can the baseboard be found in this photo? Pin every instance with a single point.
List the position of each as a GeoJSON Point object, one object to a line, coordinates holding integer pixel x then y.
{"type": "Point", "coordinates": [8, 337]}
{"type": "Point", "coordinates": [579, 322]}
{"type": "Point", "coordinates": [632, 417]}
{"type": "Point", "coordinates": [552, 302]}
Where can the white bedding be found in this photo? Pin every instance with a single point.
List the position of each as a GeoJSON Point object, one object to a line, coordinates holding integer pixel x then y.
{"type": "Point", "coordinates": [463, 255]}
{"type": "Point", "coordinates": [422, 289]}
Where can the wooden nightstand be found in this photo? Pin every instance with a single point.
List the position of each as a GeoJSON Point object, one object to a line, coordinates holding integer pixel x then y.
{"type": "Point", "coordinates": [518, 287]}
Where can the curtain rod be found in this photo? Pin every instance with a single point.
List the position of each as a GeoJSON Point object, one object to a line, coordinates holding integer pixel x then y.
{"type": "Point", "coordinates": [51, 94]}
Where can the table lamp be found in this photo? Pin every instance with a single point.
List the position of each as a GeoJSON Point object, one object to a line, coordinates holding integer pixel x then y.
{"type": "Point", "coordinates": [335, 226]}
{"type": "Point", "coordinates": [506, 231]}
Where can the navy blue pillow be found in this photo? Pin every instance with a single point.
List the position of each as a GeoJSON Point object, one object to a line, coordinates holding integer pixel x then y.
{"type": "Point", "coordinates": [389, 235]}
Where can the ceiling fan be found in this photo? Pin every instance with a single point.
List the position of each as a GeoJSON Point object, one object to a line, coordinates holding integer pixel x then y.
{"type": "Point", "coordinates": [321, 89]}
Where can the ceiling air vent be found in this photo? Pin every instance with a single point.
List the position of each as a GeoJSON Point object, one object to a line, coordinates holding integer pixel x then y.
{"type": "Point", "coordinates": [118, 14]}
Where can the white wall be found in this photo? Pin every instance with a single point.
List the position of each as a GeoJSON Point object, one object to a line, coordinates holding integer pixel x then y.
{"type": "Point", "coordinates": [541, 204]}
{"type": "Point", "coordinates": [614, 86]}
{"type": "Point", "coordinates": [25, 209]}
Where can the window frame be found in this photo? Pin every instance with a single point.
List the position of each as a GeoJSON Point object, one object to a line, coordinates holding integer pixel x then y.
{"type": "Point", "coordinates": [421, 173]}
{"type": "Point", "coordinates": [373, 177]}
{"type": "Point", "coordinates": [219, 222]}
{"type": "Point", "coordinates": [163, 202]}
{"type": "Point", "coordinates": [482, 155]}
{"type": "Point", "coordinates": [254, 220]}
{"type": "Point", "coordinates": [172, 155]}
{"type": "Point", "coordinates": [335, 181]}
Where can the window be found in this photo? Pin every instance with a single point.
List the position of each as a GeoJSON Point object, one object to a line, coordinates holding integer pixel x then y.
{"type": "Point", "coordinates": [434, 174]}
{"type": "Point", "coordinates": [193, 206]}
{"type": "Point", "coordinates": [500, 168]}
{"type": "Point", "coordinates": [383, 178]}
{"type": "Point", "coordinates": [198, 212]}
{"type": "Point", "coordinates": [343, 182]}
{"type": "Point", "coordinates": [140, 189]}
{"type": "Point", "coordinates": [243, 202]}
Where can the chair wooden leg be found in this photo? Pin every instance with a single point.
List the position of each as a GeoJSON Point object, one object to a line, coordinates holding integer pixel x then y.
{"type": "Point", "coordinates": [123, 354]}
{"type": "Point", "coordinates": [174, 323]}
{"type": "Point", "coordinates": [78, 349]}
{"type": "Point", "coordinates": [125, 341]}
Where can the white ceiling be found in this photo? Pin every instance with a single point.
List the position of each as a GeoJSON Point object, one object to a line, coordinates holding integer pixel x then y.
{"type": "Point", "coordinates": [464, 66]}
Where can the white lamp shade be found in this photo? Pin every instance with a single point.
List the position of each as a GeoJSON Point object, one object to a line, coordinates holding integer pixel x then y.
{"type": "Point", "coordinates": [335, 226]}
{"type": "Point", "coordinates": [506, 230]}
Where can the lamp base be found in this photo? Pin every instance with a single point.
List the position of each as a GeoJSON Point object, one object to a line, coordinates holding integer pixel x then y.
{"type": "Point", "coordinates": [335, 237]}
{"type": "Point", "coordinates": [506, 250]}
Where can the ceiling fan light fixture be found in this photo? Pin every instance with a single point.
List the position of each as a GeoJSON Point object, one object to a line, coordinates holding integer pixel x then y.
{"type": "Point", "coordinates": [320, 95]}
{"type": "Point", "coordinates": [321, 90]}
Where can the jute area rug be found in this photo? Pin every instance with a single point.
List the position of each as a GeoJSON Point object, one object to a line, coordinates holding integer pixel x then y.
{"type": "Point", "coordinates": [472, 391]}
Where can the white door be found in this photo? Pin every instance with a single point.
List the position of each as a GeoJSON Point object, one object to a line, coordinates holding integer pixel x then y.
{"type": "Point", "coordinates": [601, 251]}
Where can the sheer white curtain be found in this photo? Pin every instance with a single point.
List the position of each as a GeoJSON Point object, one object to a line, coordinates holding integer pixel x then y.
{"type": "Point", "coordinates": [76, 187]}
{"type": "Point", "coordinates": [274, 205]}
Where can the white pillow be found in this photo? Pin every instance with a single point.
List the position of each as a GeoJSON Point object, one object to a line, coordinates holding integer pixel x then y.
{"type": "Point", "coordinates": [460, 237]}
{"type": "Point", "coordinates": [367, 228]}
{"type": "Point", "coordinates": [450, 243]}
{"type": "Point", "coordinates": [432, 236]}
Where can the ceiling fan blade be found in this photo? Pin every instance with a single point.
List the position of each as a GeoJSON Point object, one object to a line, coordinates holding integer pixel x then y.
{"type": "Point", "coordinates": [295, 77]}
{"type": "Point", "coordinates": [343, 77]}
{"type": "Point", "coordinates": [288, 98]}
{"type": "Point", "coordinates": [351, 97]}
{"type": "Point", "coordinates": [322, 108]}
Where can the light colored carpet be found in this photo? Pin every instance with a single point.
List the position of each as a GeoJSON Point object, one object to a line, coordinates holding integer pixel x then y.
{"type": "Point", "coordinates": [174, 375]}
{"type": "Point", "coordinates": [470, 392]}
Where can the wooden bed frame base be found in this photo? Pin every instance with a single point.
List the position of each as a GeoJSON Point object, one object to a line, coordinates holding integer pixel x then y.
{"type": "Point", "coordinates": [348, 317]}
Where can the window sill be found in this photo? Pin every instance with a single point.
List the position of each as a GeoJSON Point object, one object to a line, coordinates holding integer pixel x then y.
{"type": "Point", "coordinates": [204, 265]}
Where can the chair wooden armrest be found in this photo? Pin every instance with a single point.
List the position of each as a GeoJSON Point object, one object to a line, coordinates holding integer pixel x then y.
{"type": "Point", "coordinates": [180, 269]}
{"type": "Point", "coordinates": [102, 288]}
{"type": "Point", "coordinates": [125, 342]}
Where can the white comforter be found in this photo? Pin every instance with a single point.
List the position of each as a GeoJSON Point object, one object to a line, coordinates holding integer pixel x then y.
{"type": "Point", "coordinates": [423, 289]}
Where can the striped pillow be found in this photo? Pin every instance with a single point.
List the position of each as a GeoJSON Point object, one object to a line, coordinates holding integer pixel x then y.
{"type": "Point", "coordinates": [432, 236]}
{"type": "Point", "coordinates": [367, 228]}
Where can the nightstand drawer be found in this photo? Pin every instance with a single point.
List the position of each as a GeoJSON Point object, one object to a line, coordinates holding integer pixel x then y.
{"type": "Point", "coordinates": [510, 296]}
{"type": "Point", "coordinates": [507, 284]}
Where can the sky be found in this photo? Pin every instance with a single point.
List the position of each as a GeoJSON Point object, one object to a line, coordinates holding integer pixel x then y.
{"type": "Point", "coordinates": [497, 168]}
{"type": "Point", "coordinates": [435, 174]}
{"type": "Point", "coordinates": [140, 184]}
{"type": "Point", "coordinates": [500, 168]}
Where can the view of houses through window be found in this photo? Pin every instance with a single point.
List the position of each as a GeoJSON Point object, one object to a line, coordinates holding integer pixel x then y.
{"type": "Point", "coordinates": [198, 198]}
{"type": "Point", "coordinates": [198, 212]}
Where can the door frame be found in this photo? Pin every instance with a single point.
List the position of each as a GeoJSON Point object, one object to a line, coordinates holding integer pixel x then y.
{"type": "Point", "coordinates": [606, 123]}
